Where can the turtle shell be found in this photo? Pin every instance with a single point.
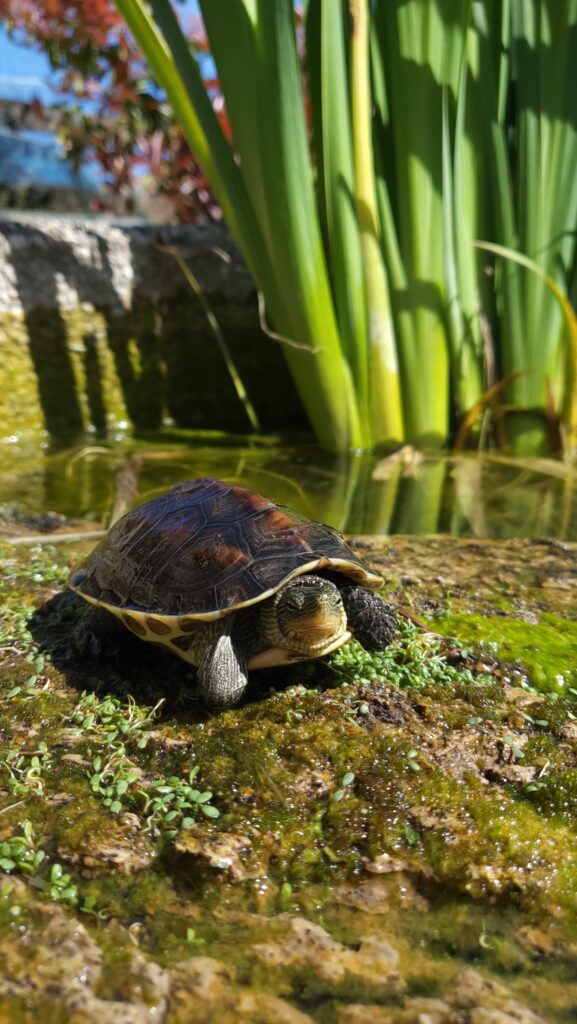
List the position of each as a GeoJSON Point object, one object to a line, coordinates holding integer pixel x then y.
{"type": "Point", "coordinates": [206, 548]}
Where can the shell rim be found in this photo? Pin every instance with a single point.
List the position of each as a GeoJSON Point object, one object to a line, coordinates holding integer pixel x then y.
{"type": "Point", "coordinates": [371, 580]}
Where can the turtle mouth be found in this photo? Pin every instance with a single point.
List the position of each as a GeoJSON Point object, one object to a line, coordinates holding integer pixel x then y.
{"type": "Point", "coordinates": [274, 656]}
{"type": "Point", "coordinates": [314, 633]}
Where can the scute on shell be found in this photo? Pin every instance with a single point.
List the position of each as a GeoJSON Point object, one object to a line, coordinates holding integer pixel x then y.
{"type": "Point", "coordinates": [205, 548]}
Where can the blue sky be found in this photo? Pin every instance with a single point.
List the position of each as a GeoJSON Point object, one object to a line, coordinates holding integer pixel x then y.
{"type": "Point", "coordinates": [28, 156]}
{"type": "Point", "coordinates": [24, 72]}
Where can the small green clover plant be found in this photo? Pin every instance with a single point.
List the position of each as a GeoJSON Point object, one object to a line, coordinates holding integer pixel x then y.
{"type": "Point", "coordinates": [111, 780]}
{"type": "Point", "coordinates": [24, 771]}
{"type": "Point", "coordinates": [173, 803]}
{"type": "Point", "coordinates": [116, 722]}
{"type": "Point", "coordinates": [19, 855]}
{"type": "Point", "coordinates": [346, 781]}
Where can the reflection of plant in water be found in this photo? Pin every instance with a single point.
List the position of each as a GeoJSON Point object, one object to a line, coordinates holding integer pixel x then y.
{"type": "Point", "coordinates": [483, 495]}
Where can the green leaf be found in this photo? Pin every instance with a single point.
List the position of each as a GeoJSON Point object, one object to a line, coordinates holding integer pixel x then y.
{"type": "Point", "coordinates": [209, 811]}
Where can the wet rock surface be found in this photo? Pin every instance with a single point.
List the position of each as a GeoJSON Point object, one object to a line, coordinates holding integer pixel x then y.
{"type": "Point", "coordinates": [381, 838]}
{"type": "Point", "coordinates": [79, 298]}
{"type": "Point", "coordinates": [56, 970]}
{"type": "Point", "coordinates": [374, 963]}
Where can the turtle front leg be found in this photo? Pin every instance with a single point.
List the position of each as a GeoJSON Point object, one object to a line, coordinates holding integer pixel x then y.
{"type": "Point", "coordinates": [372, 622]}
{"type": "Point", "coordinates": [222, 671]}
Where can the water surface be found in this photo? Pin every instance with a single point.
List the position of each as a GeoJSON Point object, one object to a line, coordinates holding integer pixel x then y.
{"type": "Point", "coordinates": [490, 496]}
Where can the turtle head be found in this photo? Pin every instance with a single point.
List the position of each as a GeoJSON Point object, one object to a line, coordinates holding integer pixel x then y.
{"type": "Point", "coordinates": [306, 616]}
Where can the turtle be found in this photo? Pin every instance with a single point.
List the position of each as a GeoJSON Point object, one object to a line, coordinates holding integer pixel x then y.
{"type": "Point", "coordinates": [231, 581]}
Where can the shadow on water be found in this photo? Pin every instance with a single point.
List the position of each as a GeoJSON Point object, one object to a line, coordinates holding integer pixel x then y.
{"type": "Point", "coordinates": [485, 496]}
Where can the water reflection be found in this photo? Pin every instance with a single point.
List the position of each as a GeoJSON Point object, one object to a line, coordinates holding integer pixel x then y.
{"type": "Point", "coordinates": [464, 495]}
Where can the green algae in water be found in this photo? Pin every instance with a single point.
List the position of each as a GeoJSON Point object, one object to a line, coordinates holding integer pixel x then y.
{"type": "Point", "coordinates": [546, 651]}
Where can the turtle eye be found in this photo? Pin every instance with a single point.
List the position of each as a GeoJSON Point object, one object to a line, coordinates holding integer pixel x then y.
{"type": "Point", "coordinates": [295, 600]}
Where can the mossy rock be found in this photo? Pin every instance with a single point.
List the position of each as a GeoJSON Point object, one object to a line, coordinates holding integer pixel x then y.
{"type": "Point", "coordinates": [415, 807]}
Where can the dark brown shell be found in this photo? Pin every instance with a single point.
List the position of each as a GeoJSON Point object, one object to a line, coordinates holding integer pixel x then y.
{"type": "Point", "coordinates": [206, 548]}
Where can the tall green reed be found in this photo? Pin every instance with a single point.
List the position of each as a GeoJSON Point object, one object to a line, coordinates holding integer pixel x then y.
{"type": "Point", "coordinates": [373, 142]}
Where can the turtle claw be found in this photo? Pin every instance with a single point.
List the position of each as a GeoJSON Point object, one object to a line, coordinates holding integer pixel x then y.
{"type": "Point", "coordinates": [371, 621]}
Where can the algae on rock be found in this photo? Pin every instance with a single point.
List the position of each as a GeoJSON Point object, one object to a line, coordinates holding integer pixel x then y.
{"type": "Point", "coordinates": [415, 807]}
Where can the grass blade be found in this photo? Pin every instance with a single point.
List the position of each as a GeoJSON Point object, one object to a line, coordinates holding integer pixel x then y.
{"type": "Point", "coordinates": [570, 394]}
{"type": "Point", "coordinates": [220, 339]}
{"type": "Point", "coordinates": [327, 39]}
{"type": "Point", "coordinates": [385, 404]}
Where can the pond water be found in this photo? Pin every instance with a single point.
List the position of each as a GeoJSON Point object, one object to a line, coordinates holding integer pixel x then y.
{"type": "Point", "coordinates": [492, 496]}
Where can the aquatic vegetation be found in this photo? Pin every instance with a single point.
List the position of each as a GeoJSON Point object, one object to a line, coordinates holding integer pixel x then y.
{"type": "Point", "coordinates": [419, 122]}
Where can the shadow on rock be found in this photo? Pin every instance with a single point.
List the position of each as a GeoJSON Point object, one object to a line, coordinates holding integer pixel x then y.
{"type": "Point", "coordinates": [95, 653]}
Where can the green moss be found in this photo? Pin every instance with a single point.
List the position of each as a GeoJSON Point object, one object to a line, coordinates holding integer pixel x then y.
{"type": "Point", "coordinates": [556, 794]}
{"type": "Point", "coordinates": [424, 755]}
{"type": "Point", "coordinates": [58, 375]}
{"type": "Point", "coordinates": [20, 411]}
{"type": "Point", "coordinates": [546, 651]}
{"type": "Point", "coordinates": [67, 371]}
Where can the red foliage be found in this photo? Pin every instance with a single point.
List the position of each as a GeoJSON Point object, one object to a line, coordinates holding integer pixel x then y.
{"type": "Point", "coordinates": [121, 119]}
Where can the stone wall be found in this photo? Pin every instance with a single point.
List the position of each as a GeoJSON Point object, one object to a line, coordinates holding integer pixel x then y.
{"type": "Point", "coordinates": [98, 326]}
